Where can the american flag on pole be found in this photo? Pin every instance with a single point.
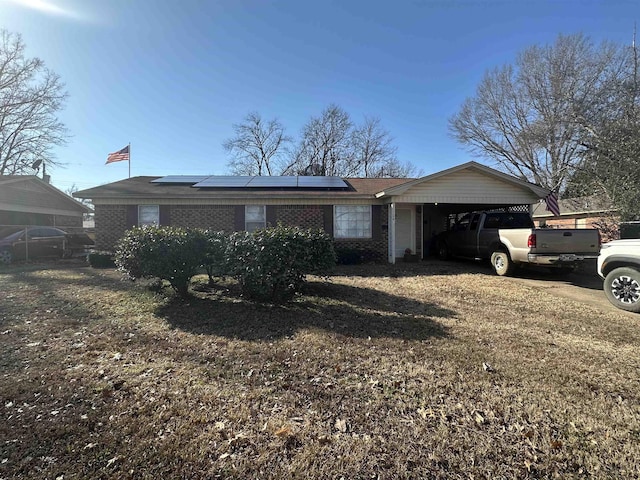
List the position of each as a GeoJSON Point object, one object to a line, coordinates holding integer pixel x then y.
{"type": "Point", "coordinates": [119, 156]}
{"type": "Point", "coordinates": [552, 203]}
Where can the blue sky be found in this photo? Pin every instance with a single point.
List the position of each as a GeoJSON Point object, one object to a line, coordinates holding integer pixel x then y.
{"type": "Point", "coordinates": [173, 76]}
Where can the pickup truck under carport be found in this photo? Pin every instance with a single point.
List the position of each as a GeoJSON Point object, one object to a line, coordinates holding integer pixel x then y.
{"type": "Point", "coordinates": [510, 240]}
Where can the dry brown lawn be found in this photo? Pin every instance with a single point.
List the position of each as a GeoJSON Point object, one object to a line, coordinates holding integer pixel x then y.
{"type": "Point", "coordinates": [408, 371]}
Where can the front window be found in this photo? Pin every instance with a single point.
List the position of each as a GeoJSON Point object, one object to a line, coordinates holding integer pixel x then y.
{"type": "Point", "coordinates": [254, 217]}
{"type": "Point", "coordinates": [352, 221]}
{"type": "Point", "coordinates": [148, 215]}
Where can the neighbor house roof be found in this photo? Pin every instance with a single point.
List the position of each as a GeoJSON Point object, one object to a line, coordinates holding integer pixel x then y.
{"type": "Point", "coordinates": [29, 193]}
{"type": "Point", "coordinates": [142, 187]}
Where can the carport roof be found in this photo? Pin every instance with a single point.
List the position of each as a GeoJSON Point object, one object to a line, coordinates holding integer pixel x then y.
{"type": "Point", "coordinates": [537, 190]}
{"type": "Point", "coordinates": [29, 193]}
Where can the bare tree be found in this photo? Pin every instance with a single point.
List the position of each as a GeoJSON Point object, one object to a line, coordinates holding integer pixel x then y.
{"type": "Point", "coordinates": [332, 145]}
{"type": "Point", "coordinates": [257, 147]}
{"type": "Point", "coordinates": [374, 152]}
{"type": "Point", "coordinates": [30, 98]}
{"type": "Point", "coordinates": [325, 146]}
{"type": "Point", "coordinates": [530, 117]}
{"type": "Point", "coordinates": [611, 141]}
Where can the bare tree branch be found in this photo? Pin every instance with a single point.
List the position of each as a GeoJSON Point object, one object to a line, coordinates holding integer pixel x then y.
{"type": "Point", "coordinates": [257, 146]}
{"type": "Point", "coordinates": [526, 116]}
{"type": "Point", "coordinates": [30, 98]}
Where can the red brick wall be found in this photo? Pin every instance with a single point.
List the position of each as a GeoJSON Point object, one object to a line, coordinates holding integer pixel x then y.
{"type": "Point", "coordinates": [112, 222]}
{"type": "Point", "coordinates": [214, 217]}
{"type": "Point", "coordinates": [305, 216]}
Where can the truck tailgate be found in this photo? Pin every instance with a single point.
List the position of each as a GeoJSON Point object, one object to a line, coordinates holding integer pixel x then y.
{"type": "Point", "coordinates": [577, 241]}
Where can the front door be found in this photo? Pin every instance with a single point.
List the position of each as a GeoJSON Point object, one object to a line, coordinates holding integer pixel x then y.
{"type": "Point", "coordinates": [405, 236]}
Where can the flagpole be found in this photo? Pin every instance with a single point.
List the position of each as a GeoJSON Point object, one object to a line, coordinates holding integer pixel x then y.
{"type": "Point", "coordinates": [129, 159]}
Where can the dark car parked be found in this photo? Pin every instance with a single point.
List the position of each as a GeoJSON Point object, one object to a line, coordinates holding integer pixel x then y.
{"type": "Point", "coordinates": [39, 242]}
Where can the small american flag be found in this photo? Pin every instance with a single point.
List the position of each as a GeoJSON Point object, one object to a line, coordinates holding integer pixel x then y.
{"type": "Point", "coordinates": [552, 203]}
{"type": "Point", "coordinates": [119, 156]}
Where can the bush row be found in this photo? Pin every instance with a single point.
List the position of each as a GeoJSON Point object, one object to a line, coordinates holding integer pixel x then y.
{"type": "Point", "coordinates": [270, 264]}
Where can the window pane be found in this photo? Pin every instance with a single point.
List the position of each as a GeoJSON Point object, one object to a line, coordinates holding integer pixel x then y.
{"type": "Point", "coordinates": [352, 221]}
{"type": "Point", "coordinates": [254, 217]}
{"type": "Point", "coordinates": [148, 215]}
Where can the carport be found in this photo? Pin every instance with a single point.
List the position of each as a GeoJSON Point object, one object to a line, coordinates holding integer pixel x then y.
{"type": "Point", "coordinates": [420, 209]}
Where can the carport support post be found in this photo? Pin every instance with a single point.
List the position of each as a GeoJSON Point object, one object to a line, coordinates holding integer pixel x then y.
{"type": "Point", "coordinates": [392, 233]}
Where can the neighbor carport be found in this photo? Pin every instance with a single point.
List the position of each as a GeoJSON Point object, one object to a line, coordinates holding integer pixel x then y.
{"type": "Point", "coordinates": [420, 209]}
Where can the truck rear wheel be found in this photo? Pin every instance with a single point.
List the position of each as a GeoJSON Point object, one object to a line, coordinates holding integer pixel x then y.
{"type": "Point", "coordinates": [443, 251]}
{"type": "Point", "coordinates": [622, 288]}
{"type": "Point", "coordinates": [502, 263]}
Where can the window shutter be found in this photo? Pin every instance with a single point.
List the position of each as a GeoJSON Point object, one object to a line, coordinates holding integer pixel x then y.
{"type": "Point", "coordinates": [376, 228]}
{"type": "Point", "coordinates": [271, 215]}
{"type": "Point", "coordinates": [165, 218]}
{"type": "Point", "coordinates": [132, 216]}
{"type": "Point", "coordinates": [238, 224]}
{"type": "Point", "coordinates": [328, 219]}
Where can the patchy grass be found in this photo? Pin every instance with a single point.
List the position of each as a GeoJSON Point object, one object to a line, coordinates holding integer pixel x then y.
{"type": "Point", "coordinates": [377, 373]}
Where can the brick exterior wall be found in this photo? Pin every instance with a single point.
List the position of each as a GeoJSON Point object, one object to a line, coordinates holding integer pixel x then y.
{"type": "Point", "coordinates": [113, 220]}
{"type": "Point", "coordinates": [214, 217]}
{"type": "Point", "coordinates": [111, 223]}
{"type": "Point", "coordinates": [305, 216]}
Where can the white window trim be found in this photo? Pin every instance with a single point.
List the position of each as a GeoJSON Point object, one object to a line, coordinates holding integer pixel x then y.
{"type": "Point", "coordinates": [335, 219]}
{"type": "Point", "coordinates": [140, 224]}
{"type": "Point", "coordinates": [264, 217]}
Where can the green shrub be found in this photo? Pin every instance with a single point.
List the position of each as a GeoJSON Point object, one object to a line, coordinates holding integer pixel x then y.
{"type": "Point", "coordinates": [168, 253]}
{"type": "Point", "coordinates": [271, 264]}
{"type": "Point", "coordinates": [101, 260]}
{"type": "Point", "coordinates": [215, 254]}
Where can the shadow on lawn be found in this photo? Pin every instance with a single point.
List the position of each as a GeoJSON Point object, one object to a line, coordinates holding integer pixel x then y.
{"type": "Point", "coordinates": [345, 310]}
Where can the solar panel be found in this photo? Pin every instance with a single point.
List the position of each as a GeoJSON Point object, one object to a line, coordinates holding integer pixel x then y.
{"type": "Point", "coordinates": [321, 182]}
{"type": "Point", "coordinates": [274, 182]}
{"type": "Point", "coordinates": [224, 181]}
{"type": "Point", "coordinates": [181, 179]}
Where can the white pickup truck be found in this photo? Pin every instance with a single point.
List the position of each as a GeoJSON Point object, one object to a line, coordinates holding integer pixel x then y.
{"type": "Point", "coordinates": [619, 265]}
{"type": "Point", "coordinates": [509, 240]}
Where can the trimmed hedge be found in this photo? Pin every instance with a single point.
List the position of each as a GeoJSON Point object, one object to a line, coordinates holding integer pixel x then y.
{"type": "Point", "coordinates": [169, 253]}
{"type": "Point", "coordinates": [271, 264]}
{"type": "Point", "coordinates": [215, 254]}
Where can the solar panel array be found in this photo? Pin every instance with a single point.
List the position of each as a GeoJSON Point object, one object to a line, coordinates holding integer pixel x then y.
{"type": "Point", "coordinates": [222, 181]}
{"type": "Point", "coordinates": [236, 181]}
{"type": "Point", "coordinates": [186, 179]}
{"type": "Point", "coordinates": [321, 182]}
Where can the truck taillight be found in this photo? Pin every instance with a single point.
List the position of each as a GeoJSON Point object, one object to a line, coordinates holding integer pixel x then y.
{"type": "Point", "coordinates": [531, 241]}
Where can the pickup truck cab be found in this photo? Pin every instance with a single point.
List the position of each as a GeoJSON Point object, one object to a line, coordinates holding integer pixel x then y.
{"type": "Point", "coordinates": [509, 240]}
{"type": "Point", "coordinates": [619, 266]}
